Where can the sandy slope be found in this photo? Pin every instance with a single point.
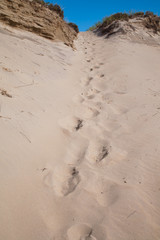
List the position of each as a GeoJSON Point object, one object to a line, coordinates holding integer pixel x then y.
{"type": "Point", "coordinates": [79, 139]}
{"type": "Point", "coordinates": [35, 17]}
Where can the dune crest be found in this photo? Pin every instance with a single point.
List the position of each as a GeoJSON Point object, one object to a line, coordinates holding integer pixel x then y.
{"type": "Point", "coordinates": [36, 16]}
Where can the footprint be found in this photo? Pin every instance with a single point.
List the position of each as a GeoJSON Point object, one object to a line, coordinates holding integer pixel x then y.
{"type": "Point", "coordinates": [70, 124]}
{"type": "Point", "coordinates": [107, 97]}
{"type": "Point", "coordinates": [85, 80]}
{"type": "Point", "coordinates": [86, 112]}
{"type": "Point", "coordinates": [63, 180]}
{"type": "Point", "coordinates": [97, 151]}
{"type": "Point", "coordinates": [80, 232]}
{"type": "Point", "coordinates": [78, 99]}
{"type": "Point", "coordinates": [105, 191]}
{"type": "Point", "coordinates": [90, 93]}
{"type": "Point", "coordinates": [93, 104]}
{"type": "Point", "coordinates": [76, 150]}
{"type": "Point", "coordinates": [99, 85]}
{"type": "Point", "coordinates": [92, 129]}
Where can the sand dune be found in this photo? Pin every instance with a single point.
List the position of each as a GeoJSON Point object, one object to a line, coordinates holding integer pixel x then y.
{"type": "Point", "coordinates": [79, 138]}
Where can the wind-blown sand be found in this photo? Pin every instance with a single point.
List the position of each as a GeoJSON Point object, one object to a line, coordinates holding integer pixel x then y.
{"type": "Point", "coordinates": [79, 138]}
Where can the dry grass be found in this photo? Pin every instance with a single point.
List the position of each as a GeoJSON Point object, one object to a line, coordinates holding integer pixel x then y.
{"type": "Point", "coordinates": [52, 7]}
{"type": "Point", "coordinates": [150, 20]}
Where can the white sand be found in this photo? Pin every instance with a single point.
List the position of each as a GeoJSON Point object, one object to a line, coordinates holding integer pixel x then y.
{"type": "Point", "coordinates": [79, 139]}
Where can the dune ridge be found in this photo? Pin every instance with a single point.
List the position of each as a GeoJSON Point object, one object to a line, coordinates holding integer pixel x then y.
{"type": "Point", "coordinates": [35, 16]}
{"type": "Point", "coordinates": [79, 137]}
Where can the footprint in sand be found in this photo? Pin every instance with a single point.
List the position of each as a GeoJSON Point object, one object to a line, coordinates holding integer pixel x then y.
{"type": "Point", "coordinates": [85, 81]}
{"type": "Point", "coordinates": [99, 85]}
{"type": "Point", "coordinates": [77, 99]}
{"type": "Point", "coordinates": [90, 93]}
{"type": "Point", "coordinates": [76, 150]}
{"type": "Point", "coordinates": [97, 151]}
{"type": "Point", "coordinates": [80, 232]}
{"type": "Point", "coordinates": [105, 191]}
{"type": "Point", "coordinates": [86, 112]}
{"type": "Point", "coordinates": [93, 104]}
{"type": "Point", "coordinates": [63, 180]}
{"type": "Point", "coordinates": [84, 231]}
{"type": "Point", "coordinates": [91, 130]}
{"type": "Point", "coordinates": [70, 124]}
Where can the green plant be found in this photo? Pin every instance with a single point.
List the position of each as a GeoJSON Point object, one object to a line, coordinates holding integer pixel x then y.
{"type": "Point", "coordinates": [108, 20]}
{"type": "Point", "coordinates": [149, 14]}
{"type": "Point", "coordinates": [124, 17]}
{"type": "Point", "coordinates": [96, 25]}
{"type": "Point", "coordinates": [136, 14]}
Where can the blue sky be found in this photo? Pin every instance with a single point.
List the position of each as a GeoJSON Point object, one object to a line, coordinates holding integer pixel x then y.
{"type": "Point", "coordinates": [87, 12]}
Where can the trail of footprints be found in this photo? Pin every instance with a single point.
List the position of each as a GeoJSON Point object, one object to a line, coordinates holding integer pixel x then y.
{"type": "Point", "coordinates": [88, 144]}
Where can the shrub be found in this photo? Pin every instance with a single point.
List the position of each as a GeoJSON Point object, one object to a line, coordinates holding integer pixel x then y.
{"type": "Point", "coordinates": [137, 14]}
{"type": "Point", "coordinates": [96, 25]}
{"type": "Point", "coordinates": [117, 16]}
{"type": "Point", "coordinates": [152, 23]}
{"type": "Point", "coordinates": [74, 26]}
{"type": "Point", "coordinates": [57, 9]}
{"type": "Point", "coordinates": [149, 14]}
{"type": "Point", "coordinates": [108, 20]}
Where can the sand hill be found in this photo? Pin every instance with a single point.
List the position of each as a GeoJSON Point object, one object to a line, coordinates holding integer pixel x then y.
{"type": "Point", "coordinates": [33, 16]}
{"type": "Point", "coordinates": [79, 136]}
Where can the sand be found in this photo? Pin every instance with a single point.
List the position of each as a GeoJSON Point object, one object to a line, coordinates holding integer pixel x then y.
{"type": "Point", "coordinates": [79, 138]}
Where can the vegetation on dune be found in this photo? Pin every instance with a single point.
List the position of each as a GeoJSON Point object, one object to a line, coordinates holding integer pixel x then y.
{"type": "Point", "coordinates": [74, 26]}
{"type": "Point", "coordinates": [151, 22]}
{"type": "Point", "coordinates": [52, 7]}
{"type": "Point", "coordinates": [57, 9]}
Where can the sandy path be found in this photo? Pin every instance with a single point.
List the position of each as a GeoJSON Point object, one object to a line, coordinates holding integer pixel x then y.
{"type": "Point", "coordinates": [86, 165]}
{"type": "Point", "coordinates": [112, 178]}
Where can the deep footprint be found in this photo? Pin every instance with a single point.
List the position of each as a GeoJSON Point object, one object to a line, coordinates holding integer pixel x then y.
{"type": "Point", "coordinates": [70, 124]}
{"type": "Point", "coordinates": [97, 151]}
{"type": "Point", "coordinates": [65, 180]}
{"type": "Point", "coordinates": [80, 232]}
{"type": "Point", "coordinates": [86, 112]}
